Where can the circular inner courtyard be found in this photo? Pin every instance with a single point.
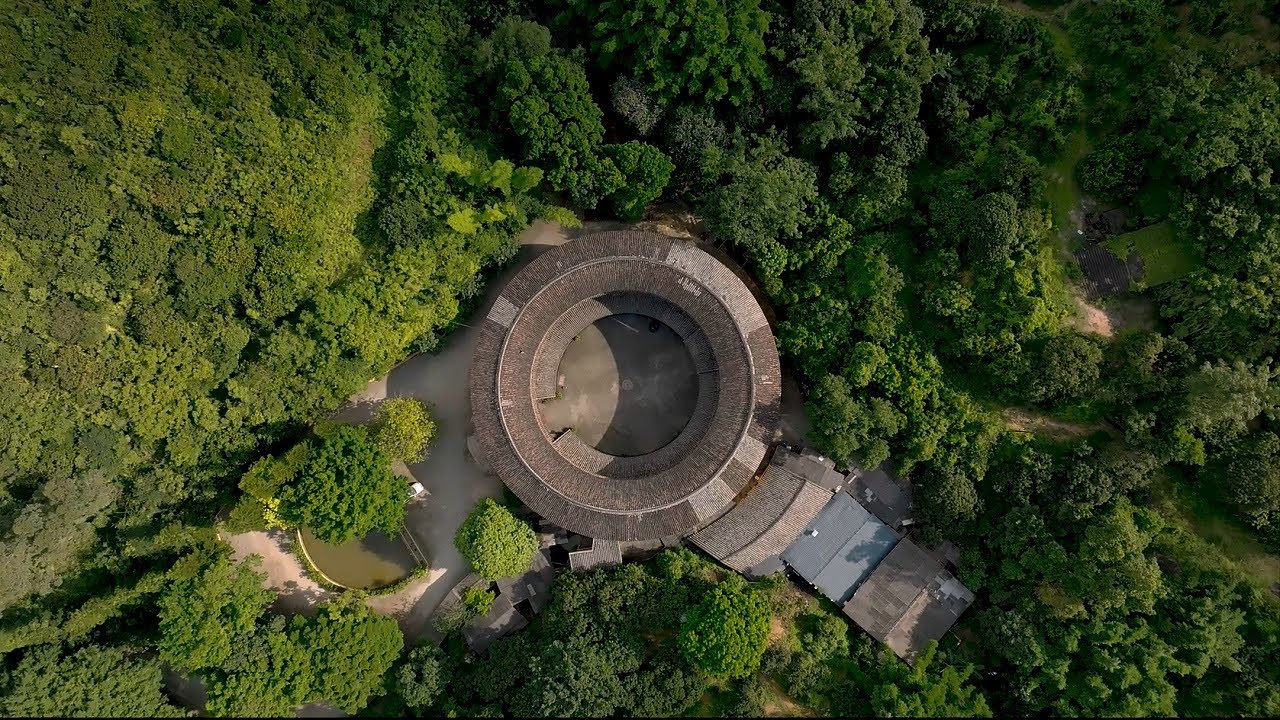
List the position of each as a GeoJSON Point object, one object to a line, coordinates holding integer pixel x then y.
{"type": "Point", "coordinates": [627, 386]}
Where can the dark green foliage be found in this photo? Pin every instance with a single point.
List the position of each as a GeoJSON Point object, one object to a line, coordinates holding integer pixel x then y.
{"type": "Point", "coordinates": [346, 489]}
{"type": "Point", "coordinates": [760, 199]}
{"type": "Point", "coordinates": [1065, 368]}
{"type": "Point", "coordinates": [1246, 474]}
{"type": "Point", "coordinates": [349, 648]}
{"type": "Point", "coordinates": [604, 644]}
{"type": "Point", "coordinates": [546, 102]}
{"type": "Point", "coordinates": [702, 49]}
{"type": "Point", "coordinates": [495, 542]}
{"type": "Point", "coordinates": [645, 171]}
{"type": "Point", "coordinates": [92, 682]}
{"type": "Point", "coordinates": [422, 677]}
{"type": "Point", "coordinates": [726, 633]}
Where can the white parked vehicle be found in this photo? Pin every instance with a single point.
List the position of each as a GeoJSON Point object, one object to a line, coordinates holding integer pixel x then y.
{"type": "Point", "coordinates": [416, 490]}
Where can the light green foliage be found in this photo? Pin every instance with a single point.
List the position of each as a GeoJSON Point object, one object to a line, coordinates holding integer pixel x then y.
{"type": "Point", "coordinates": [92, 682]}
{"type": "Point", "coordinates": [198, 253]}
{"type": "Point", "coordinates": [726, 634]}
{"type": "Point", "coordinates": [207, 610]}
{"type": "Point", "coordinates": [45, 540]}
{"type": "Point", "coordinates": [701, 49]}
{"type": "Point", "coordinates": [478, 600]}
{"type": "Point", "coordinates": [350, 649]}
{"type": "Point", "coordinates": [346, 489]}
{"type": "Point", "coordinates": [403, 428]}
{"type": "Point", "coordinates": [495, 542]}
{"type": "Point", "coordinates": [645, 171]}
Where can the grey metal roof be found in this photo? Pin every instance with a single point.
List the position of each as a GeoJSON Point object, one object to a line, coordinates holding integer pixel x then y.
{"type": "Point", "coordinates": [666, 493]}
{"type": "Point", "coordinates": [909, 600]}
{"type": "Point", "coordinates": [758, 529]}
{"type": "Point", "coordinates": [849, 543]}
{"type": "Point", "coordinates": [884, 495]}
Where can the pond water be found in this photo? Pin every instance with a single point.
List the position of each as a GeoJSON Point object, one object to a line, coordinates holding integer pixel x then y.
{"type": "Point", "coordinates": [366, 563]}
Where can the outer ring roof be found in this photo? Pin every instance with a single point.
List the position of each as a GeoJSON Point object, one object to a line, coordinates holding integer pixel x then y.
{"type": "Point", "coordinates": [669, 492]}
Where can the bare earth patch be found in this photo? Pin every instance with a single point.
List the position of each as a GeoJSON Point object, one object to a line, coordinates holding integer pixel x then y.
{"type": "Point", "coordinates": [1028, 421]}
{"type": "Point", "coordinates": [1115, 315]}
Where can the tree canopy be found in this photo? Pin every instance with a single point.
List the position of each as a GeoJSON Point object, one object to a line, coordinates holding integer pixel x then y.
{"type": "Point", "coordinates": [495, 542]}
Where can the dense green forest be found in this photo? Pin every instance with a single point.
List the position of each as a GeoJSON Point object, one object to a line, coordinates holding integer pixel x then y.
{"type": "Point", "coordinates": [220, 218]}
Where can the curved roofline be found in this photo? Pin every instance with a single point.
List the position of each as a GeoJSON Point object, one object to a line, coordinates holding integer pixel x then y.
{"type": "Point", "coordinates": [733, 429]}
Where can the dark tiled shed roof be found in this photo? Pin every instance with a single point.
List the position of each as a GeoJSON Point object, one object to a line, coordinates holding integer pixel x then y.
{"type": "Point", "coordinates": [681, 486]}
{"type": "Point", "coordinates": [909, 600]}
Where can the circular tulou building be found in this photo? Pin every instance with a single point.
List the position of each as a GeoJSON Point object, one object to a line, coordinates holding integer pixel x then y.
{"type": "Point", "coordinates": [625, 386]}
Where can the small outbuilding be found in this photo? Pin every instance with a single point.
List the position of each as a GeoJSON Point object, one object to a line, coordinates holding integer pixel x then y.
{"type": "Point", "coordinates": [909, 600]}
{"type": "Point", "coordinates": [751, 537]}
{"type": "Point", "coordinates": [840, 548]}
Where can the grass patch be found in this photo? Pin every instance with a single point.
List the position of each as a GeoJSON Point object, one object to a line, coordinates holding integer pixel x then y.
{"type": "Point", "coordinates": [1187, 508]}
{"type": "Point", "coordinates": [1061, 189]}
{"type": "Point", "coordinates": [1164, 258]}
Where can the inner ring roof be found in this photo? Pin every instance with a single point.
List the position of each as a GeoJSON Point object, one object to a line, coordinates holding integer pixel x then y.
{"type": "Point", "coordinates": [677, 488]}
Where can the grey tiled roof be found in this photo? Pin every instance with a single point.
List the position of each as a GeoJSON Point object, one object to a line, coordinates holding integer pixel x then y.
{"type": "Point", "coordinates": [690, 480]}
{"type": "Point", "coordinates": [884, 495]}
{"type": "Point", "coordinates": [764, 523]}
{"type": "Point", "coordinates": [909, 600]}
{"type": "Point", "coordinates": [601, 553]}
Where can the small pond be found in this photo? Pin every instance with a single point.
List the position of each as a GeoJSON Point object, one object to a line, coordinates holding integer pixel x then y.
{"type": "Point", "coordinates": [366, 563]}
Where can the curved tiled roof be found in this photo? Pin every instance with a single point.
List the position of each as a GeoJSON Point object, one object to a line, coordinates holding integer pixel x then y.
{"type": "Point", "coordinates": [768, 520]}
{"type": "Point", "coordinates": [677, 488]}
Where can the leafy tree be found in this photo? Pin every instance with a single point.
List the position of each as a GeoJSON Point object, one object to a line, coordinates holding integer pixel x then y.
{"type": "Point", "coordinates": [1247, 474]}
{"type": "Point", "coordinates": [547, 104]}
{"type": "Point", "coordinates": [208, 609]}
{"type": "Point", "coordinates": [403, 429]}
{"type": "Point", "coordinates": [703, 49]}
{"type": "Point", "coordinates": [760, 199]}
{"type": "Point", "coordinates": [646, 171]}
{"type": "Point", "coordinates": [94, 681]}
{"type": "Point", "coordinates": [635, 104]}
{"type": "Point", "coordinates": [478, 600]}
{"type": "Point", "coordinates": [346, 489]}
{"type": "Point", "coordinates": [350, 649]}
{"type": "Point", "coordinates": [269, 674]}
{"type": "Point", "coordinates": [1067, 367]}
{"type": "Point", "coordinates": [726, 634]}
{"type": "Point", "coordinates": [422, 677]}
{"type": "Point", "coordinates": [495, 542]}
{"type": "Point", "coordinates": [44, 541]}
{"type": "Point", "coordinates": [922, 688]}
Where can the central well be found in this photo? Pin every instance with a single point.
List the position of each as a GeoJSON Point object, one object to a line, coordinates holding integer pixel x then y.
{"type": "Point", "coordinates": [627, 386]}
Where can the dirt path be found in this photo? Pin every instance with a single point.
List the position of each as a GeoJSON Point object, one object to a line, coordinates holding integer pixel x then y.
{"type": "Point", "coordinates": [1029, 421]}
{"type": "Point", "coordinates": [296, 592]}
